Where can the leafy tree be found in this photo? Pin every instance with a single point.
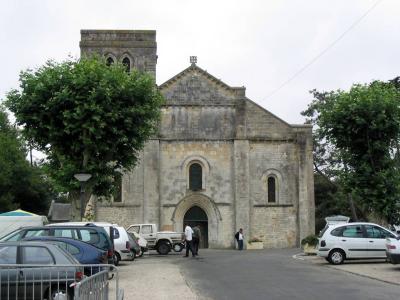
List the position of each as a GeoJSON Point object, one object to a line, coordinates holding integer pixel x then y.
{"type": "Point", "coordinates": [86, 117]}
{"type": "Point", "coordinates": [357, 136]}
{"type": "Point", "coordinates": [21, 185]}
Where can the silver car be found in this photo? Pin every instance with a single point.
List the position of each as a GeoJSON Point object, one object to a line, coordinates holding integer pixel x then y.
{"type": "Point", "coordinates": [36, 270]}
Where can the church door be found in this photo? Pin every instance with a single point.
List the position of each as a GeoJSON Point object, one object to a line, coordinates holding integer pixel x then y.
{"type": "Point", "coordinates": [196, 216]}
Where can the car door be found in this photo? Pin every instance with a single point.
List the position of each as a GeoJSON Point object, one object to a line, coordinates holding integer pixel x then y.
{"type": "Point", "coordinates": [8, 276]}
{"type": "Point", "coordinates": [354, 242]}
{"type": "Point", "coordinates": [376, 237]}
{"type": "Point", "coordinates": [35, 281]}
{"type": "Point", "coordinates": [147, 232]}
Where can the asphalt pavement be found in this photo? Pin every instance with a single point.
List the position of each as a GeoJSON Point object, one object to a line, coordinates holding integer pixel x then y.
{"type": "Point", "coordinates": [274, 274]}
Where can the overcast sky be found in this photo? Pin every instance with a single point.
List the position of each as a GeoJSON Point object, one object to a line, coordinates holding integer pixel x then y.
{"type": "Point", "coordinates": [256, 44]}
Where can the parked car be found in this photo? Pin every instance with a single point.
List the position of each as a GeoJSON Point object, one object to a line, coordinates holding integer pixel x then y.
{"type": "Point", "coordinates": [19, 280]}
{"type": "Point", "coordinates": [122, 244]}
{"type": "Point", "coordinates": [135, 248]}
{"type": "Point", "coordinates": [141, 242]}
{"type": "Point", "coordinates": [163, 242]}
{"type": "Point", "coordinates": [353, 241]}
{"type": "Point", "coordinates": [85, 253]}
{"type": "Point", "coordinates": [393, 250]}
{"type": "Point", "coordinates": [122, 247]}
{"type": "Point", "coordinates": [91, 234]}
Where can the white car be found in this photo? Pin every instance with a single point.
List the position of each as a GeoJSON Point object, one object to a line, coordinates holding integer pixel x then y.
{"type": "Point", "coordinates": [353, 241]}
{"type": "Point", "coordinates": [393, 250]}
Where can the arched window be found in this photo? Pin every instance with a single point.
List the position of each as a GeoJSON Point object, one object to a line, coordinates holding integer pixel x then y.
{"type": "Point", "coordinates": [109, 61]}
{"type": "Point", "coordinates": [195, 177]}
{"type": "Point", "coordinates": [127, 63]}
{"type": "Point", "coordinates": [271, 189]}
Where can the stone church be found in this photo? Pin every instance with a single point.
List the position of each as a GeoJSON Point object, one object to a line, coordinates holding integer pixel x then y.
{"type": "Point", "coordinates": [219, 159]}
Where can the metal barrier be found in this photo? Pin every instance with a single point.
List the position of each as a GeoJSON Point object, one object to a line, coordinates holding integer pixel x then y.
{"type": "Point", "coordinates": [58, 282]}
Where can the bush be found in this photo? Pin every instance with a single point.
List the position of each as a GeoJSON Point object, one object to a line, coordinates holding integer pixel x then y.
{"type": "Point", "coordinates": [311, 240]}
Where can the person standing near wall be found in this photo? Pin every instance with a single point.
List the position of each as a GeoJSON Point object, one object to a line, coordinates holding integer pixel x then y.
{"type": "Point", "coordinates": [196, 239]}
{"type": "Point", "coordinates": [189, 240]}
{"type": "Point", "coordinates": [239, 238]}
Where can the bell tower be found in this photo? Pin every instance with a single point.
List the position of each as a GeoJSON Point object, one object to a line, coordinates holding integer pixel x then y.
{"type": "Point", "coordinates": [134, 48]}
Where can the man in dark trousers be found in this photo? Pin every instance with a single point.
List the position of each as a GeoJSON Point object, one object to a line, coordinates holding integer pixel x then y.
{"type": "Point", "coordinates": [189, 240]}
{"type": "Point", "coordinates": [196, 239]}
{"type": "Point", "coordinates": [239, 238]}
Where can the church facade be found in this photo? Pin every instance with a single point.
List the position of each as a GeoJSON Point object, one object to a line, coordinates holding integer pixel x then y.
{"type": "Point", "coordinates": [219, 160]}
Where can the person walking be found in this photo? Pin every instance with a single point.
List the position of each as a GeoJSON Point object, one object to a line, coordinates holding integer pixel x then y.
{"type": "Point", "coordinates": [196, 239]}
{"type": "Point", "coordinates": [188, 240]}
{"type": "Point", "coordinates": [239, 238]}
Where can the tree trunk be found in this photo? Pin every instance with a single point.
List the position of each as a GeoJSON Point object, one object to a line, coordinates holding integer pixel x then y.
{"type": "Point", "coordinates": [352, 207]}
{"type": "Point", "coordinates": [74, 198]}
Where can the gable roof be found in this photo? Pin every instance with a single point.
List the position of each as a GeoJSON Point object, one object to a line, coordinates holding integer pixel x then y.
{"type": "Point", "coordinates": [191, 68]}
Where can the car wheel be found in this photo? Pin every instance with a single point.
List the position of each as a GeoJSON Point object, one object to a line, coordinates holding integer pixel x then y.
{"type": "Point", "coordinates": [117, 258]}
{"type": "Point", "coordinates": [327, 259]}
{"type": "Point", "coordinates": [133, 255]}
{"type": "Point", "coordinates": [163, 248]}
{"type": "Point", "coordinates": [139, 254]}
{"type": "Point", "coordinates": [178, 247]}
{"type": "Point", "coordinates": [336, 257]}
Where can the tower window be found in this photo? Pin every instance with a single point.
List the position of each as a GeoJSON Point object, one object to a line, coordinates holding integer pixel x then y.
{"type": "Point", "coordinates": [195, 177]}
{"type": "Point", "coordinates": [271, 189]}
{"type": "Point", "coordinates": [109, 61]}
{"type": "Point", "coordinates": [127, 63]}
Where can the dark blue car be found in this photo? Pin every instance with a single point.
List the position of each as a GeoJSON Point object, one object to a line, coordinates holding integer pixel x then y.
{"type": "Point", "coordinates": [85, 253]}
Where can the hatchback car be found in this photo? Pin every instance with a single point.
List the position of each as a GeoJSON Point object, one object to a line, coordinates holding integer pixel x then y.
{"type": "Point", "coordinates": [353, 241]}
{"type": "Point", "coordinates": [29, 271]}
{"type": "Point", "coordinates": [85, 253]}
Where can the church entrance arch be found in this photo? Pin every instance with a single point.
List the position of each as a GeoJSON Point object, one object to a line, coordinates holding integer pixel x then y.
{"type": "Point", "coordinates": [195, 216]}
{"type": "Point", "coordinates": [199, 208]}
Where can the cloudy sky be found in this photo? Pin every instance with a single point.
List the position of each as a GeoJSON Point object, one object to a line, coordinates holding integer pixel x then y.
{"type": "Point", "coordinates": [261, 45]}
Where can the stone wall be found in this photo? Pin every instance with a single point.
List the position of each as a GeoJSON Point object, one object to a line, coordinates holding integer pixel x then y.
{"type": "Point", "coordinates": [238, 143]}
{"type": "Point", "coordinates": [275, 225]}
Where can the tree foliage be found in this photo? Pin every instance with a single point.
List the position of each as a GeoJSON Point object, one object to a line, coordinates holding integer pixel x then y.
{"type": "Point", "coordinates": [357, 139]}
{"type": "Point", "coordinates": [86, 117]}
{"type": "Point", "coordinates": [21, 185]}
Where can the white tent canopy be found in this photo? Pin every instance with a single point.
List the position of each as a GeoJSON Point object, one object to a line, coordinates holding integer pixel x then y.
{"type": "Point", "coordinates": [17, 219]}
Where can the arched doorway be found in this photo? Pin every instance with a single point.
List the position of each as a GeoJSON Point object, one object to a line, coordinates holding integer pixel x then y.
{"type": "Point", "coordinates": [197, 216]}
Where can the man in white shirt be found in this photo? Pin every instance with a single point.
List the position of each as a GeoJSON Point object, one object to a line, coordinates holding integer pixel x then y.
{"type": "Point", "coordinates": [239, 238]}
{"type": "Point", "coordinates": [188, 240]}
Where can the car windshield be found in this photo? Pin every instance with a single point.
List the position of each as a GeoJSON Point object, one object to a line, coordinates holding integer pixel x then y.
{"type": "Point", "coordinates": [12, 236]}
{"type": "Point", "coordinates": [321, 233]}
{"type": "Point", "coordinates": [131, 236]}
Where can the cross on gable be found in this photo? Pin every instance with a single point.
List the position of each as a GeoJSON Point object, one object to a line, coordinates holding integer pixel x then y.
{"type": "Point", "coordinates": [193, 60]}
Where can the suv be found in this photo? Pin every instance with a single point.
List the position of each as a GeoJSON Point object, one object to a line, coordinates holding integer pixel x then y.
{"type": "Point", "coordinates": [122, 247]}
{"type": "Point", "coordinates": [90, 234]}
{"type": "Point", "coordinates": [353, 241]}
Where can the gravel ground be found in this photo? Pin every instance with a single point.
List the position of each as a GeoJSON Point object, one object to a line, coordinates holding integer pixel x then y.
{"type": "Point", "coordinates": [154, 277]}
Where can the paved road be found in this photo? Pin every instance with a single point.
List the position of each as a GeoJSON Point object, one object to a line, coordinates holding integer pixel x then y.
{"type": "Point", "coordinates": [274, 274]}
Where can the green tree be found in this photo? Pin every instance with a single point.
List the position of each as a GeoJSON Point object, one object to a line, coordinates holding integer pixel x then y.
{"type": "Point", "coordinates": [357, 136]}
{"type": "Point", "coordinates": [21, 185]}
{"type": "Point", "coordinates": [86, 117]}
